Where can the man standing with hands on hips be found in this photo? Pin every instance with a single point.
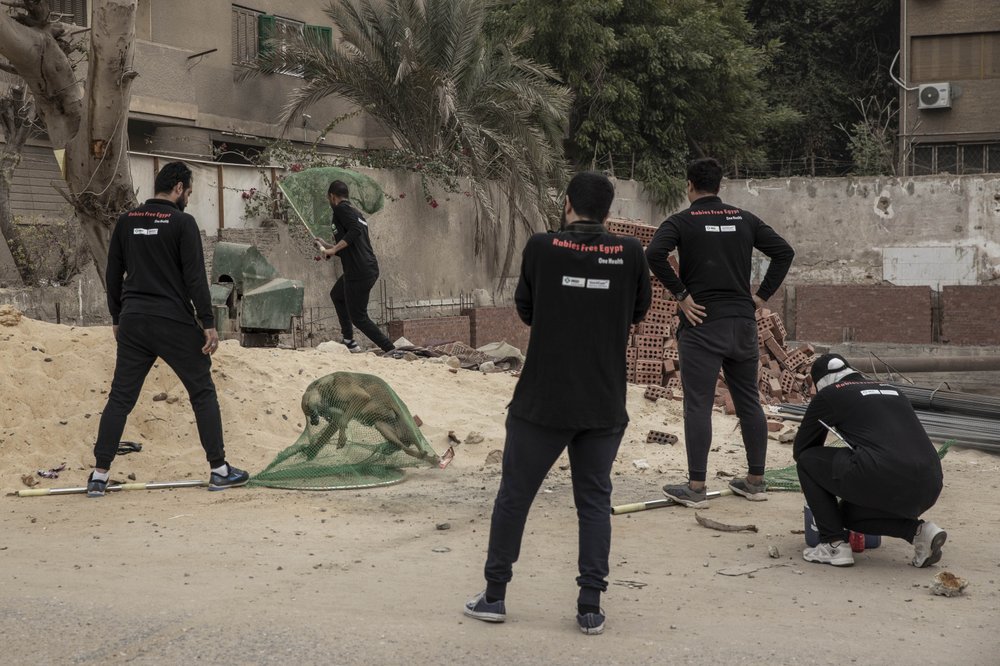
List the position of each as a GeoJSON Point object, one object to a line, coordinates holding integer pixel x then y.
{"type": "Point", "coordinates": [351, 291]}
{"type": "Point", "coordinates": [715, 242]}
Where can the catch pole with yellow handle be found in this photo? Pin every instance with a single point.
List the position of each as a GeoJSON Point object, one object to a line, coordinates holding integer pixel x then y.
{"type": "Point", "coordinates": [42, 492]}
{"type": "Point", "coordinates": [660, 503]}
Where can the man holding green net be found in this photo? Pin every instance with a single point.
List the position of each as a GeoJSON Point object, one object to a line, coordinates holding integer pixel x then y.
{"type": "Point", "coordinates": [886, 476]}
{"type": "Point", "coordinates": [579, 290]}
{"type": "Point", "coordinates": [351, 291]}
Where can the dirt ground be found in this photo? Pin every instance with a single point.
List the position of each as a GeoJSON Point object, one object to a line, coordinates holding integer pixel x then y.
{"type": "Point", "coordinates": [264, 576]}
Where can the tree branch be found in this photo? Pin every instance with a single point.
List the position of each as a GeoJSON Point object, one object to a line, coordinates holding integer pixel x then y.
{"type": "Point", "coordinates": [36, 56]}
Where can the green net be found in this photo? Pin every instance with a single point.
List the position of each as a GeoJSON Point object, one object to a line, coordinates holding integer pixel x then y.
{"type": "Point", "coordinates": [306, 192]}
{"type": "Point", "coordinates": [358, 434]}
{"type": "Point", "coordinates": [787, 478]}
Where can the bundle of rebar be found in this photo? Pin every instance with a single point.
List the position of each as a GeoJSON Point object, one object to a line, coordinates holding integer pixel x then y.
{"type": "Point", "coordinates": [962, 430]}
{"type": "Point", "coordinates": [955, 402]}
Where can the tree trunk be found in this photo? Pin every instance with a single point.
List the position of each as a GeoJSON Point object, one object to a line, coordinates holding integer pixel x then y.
{"type": "Point", "coordinates": [16, 122]}
{"type": "Point", "coordinates": [37, 57]}
{"type": "Point", "coordinates": [94, 135]}
{"type": "Point", "coordinates": [97, 163]}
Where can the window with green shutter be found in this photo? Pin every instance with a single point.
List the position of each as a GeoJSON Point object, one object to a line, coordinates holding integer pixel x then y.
{"type": "Point", "coordinates": [319, 35]}
{"type": "Point", "coordinates": [245, 38]}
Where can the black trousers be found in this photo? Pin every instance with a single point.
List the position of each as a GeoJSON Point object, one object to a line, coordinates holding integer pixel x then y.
{"type": "Point", "coordinates": [350, 298]}
{"type": "Point", "coordinates": [529, 452]}
{"type": "Point", "coordinates": [863, 510]}
{"type": "Point", "coordinates": [141, 339]}
{"type": "Point", "coordinates": [729, 344]}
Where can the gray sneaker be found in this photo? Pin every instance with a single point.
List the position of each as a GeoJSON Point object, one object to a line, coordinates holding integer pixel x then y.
{"type": "Point", "coordinates": [752, 491]}
{"type": "Point", "coordinates": [682, 494]}
{"type": "Point", "coordinates": [927, 544]}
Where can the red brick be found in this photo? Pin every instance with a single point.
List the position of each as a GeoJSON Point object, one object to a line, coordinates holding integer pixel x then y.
{"type": "Point", "coordinates": [969, 315]}
{"type": "Point", "coordinates": [863, 313]}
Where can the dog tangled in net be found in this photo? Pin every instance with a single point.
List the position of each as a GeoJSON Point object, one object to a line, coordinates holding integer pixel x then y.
{"type": "Point", "coordinates": [358, 433]}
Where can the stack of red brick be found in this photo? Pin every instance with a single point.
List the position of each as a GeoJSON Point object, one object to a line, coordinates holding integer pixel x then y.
{"type": "Point", "coordinates": [652, 357]}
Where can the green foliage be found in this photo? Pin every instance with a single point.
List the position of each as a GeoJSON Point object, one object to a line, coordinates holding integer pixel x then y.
{"type": "Point", "coordinates": [657, 82]}
{"type": "Point", "coordinates": [872, 140]}
{"type": "Point", "coordinates": [833, 52]}
{"type": "Point", "coordinates": [447, 90]}
{"type": "Point", "coordinates": [268, 204]}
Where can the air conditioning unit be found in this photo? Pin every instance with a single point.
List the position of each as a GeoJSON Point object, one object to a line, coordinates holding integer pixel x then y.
{"type": "Point", "coordinates": [934, 96]}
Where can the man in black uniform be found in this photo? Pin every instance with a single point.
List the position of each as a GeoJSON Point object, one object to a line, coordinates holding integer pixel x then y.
{"type": "Point", "coordinates": [350, 291]}
{"type": "Point", "coordinates": [887, 476]}
{"type": "Point", "coordinates": [715, 242]}
{"type": "Point", "coordinates": [579, 290]}
{"type": "Point", "coordinates": [156, 270]}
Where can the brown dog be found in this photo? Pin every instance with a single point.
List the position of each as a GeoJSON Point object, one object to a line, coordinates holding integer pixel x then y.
{"type": "Point", "coordinates": [343, 397]}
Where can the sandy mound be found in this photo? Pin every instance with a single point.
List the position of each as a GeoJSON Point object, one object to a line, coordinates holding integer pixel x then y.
{"type": "Point", "coordinates": [55, 379]}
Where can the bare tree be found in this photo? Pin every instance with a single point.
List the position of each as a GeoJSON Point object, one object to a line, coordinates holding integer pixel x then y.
{"type": "Point", "coordinates": [89, 121]}
{"type": "Point", "coordinates": [17, 120]}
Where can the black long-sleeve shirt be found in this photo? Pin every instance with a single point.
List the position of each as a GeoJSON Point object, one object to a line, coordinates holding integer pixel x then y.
{"type": "Point", "coordinates": [715, 243]}
{"type": "Point", "coordinates": [156, 266]}
{"type": "Point", "coordinates": [358, 258]}
{"type": "Point", "coordinates": [892, 455]}
{"type": "Point", "coordinates": [580, 290]}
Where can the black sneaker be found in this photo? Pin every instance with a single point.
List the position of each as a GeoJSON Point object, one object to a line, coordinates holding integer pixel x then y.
{"type": "Point", "coordinates": [486, 611]}
{"type": "Point", "coordinates": [234, 479]}
{"type": "Point", "coordinates": [682, 494]}
{"type": "Point", "coordinates": [353, 346]}
{"type": "Point", "coordinates": [591, 623]}
{"type": "Point", "coordinates": [96, 487]}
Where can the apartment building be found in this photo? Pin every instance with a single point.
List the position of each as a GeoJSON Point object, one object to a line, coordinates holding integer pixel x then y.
{"type": "Point", "coordinates": [189, 99]}
{"type": "Point", "coordinates": [949, 76]}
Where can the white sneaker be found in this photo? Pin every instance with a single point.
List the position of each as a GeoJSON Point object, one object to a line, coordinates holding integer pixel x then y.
{"type": "Point", "coordinates": [927, 543]}
{"type": "Point", "coordinates": [839, 555]}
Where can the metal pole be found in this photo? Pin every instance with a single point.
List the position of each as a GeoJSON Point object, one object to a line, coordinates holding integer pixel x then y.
{"type": "Point", "coordinates": [40, 492]}
{"type": "Point", "coordinates": [660, 503]}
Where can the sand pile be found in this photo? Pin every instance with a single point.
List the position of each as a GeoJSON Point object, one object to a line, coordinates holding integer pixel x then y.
{"type": "Point", "coordinates": [54, 381]}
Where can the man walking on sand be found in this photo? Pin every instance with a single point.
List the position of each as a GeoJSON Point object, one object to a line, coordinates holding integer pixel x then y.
{"type": "Point", "coordinates": [156, 271]}
{"type": "Point", "coordinates": [351, 291]}
{"type": "Point", "coordinates": [715, 242]}
{"type": "Point", "coordinates": [579, 290]}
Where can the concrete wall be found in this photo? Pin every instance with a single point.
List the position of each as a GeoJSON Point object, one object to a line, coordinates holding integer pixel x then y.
{"type": "Point", "coordinates": [841, 228]}
{"type": "Point", "coordinates": [926, 231]}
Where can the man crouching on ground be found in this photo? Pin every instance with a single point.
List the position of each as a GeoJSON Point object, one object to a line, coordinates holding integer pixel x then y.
{"type": "Point", "coordinates": [886, 476]}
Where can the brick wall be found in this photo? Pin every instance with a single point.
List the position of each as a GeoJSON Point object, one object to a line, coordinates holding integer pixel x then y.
{"type": "Point", "coordinates": [493, 324]}
{"type": "Point", "coordinates": [970, 315]}
{"type": "Point", "coordinates": [431, 331]}
{"type": "Point", "coordinates": [861, 313]}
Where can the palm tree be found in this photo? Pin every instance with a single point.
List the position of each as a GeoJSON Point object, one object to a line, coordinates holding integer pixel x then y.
{"type": "Point", "coordinates": [445, 88]}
